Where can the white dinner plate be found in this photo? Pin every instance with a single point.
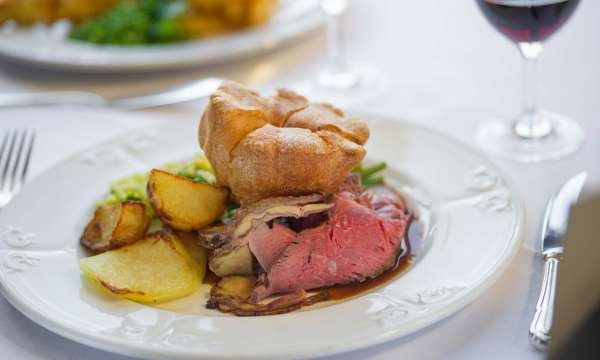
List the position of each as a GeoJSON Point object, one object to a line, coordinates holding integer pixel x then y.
{"type": "Point", "coordinates": [49, 46]}
{"type": "Point", "coordinates": [472, 222]}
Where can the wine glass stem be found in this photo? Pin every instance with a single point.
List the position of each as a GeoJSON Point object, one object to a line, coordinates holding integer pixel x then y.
{"type": "Point", "coordinates": [337, 61]}
{"type": "Point", "coordinates": [530, 102]}
{"type": "Point", "coordinates": [530, 124]}
{"type": "Point", "coordinates": [337, 74]}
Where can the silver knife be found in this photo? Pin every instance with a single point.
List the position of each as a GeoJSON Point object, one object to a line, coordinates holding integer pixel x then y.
{"type": "Point", "coordinates": [191, 91]}
{"type": "Point", "coordinates": [554, 228]}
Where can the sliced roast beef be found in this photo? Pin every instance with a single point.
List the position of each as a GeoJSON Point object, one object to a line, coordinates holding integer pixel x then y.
{"type": "Point", "coordinates": [361, 238]}
{"type": "Point", "coordinates": [352, 184]}
{"type": "Point", "coordinates": [386, 202]}
{"type": "Point", "coordinates": [311, 242]}
{"type": "Point", "coordinates": [231, 254]}
{"type": "Point", "coordinates": [267, 244]}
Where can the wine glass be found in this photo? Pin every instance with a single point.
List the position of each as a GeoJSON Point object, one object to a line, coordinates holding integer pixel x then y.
{"type": "Point", "coordinates": [340, 81]}
{"type": "Point", "coordinates": [534, 135]}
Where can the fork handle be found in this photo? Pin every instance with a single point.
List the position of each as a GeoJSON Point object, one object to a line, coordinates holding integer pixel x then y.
{"type": "Point", "coordinates": [50, 98]}
{"type": "Point", "coordinates": [539, 331]}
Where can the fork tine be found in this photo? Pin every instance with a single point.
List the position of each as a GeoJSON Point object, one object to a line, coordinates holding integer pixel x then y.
{"type": "Point", "coordinates": [8, 159]}
{"type": "Point", "coordinates": [3, 146]}
{"type": "Point", "coordinates": [21, 137]}
{"type": "Point", "coordinates": [28, 157]}
{"type": "Point", "coordinates": [2, 149]}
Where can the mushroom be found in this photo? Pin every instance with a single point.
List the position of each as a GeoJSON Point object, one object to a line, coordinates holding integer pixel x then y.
{"type": "Point", "coordinates": [231, 253]}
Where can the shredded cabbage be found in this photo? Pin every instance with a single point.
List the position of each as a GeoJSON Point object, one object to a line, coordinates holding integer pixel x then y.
{"type": "Point", "coordinates": [197, 170]}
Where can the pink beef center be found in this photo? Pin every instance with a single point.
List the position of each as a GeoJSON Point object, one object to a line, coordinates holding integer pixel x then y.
{"type": "Point", "coordinates": [356, 243]}
{"type": "Point", "coordinates": [268, 244]}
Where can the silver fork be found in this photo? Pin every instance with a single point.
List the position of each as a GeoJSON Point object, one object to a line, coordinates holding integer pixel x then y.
{"type": "Point", "coordinates": [15, 155]}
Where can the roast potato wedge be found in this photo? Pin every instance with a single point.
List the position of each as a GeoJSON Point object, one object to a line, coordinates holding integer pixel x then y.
{"type": "Point", "coordinates": [182, 204]}
{"type": "Point", "coordinates": [114, 226]}
{"type": "Point", "coordinates": [155, 269]}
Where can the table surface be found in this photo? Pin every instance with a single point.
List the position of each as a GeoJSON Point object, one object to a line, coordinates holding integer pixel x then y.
{"type": "Point", "coordinates": [446, 68]}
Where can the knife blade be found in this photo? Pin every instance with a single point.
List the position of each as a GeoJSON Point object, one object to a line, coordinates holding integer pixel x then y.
{"type": "Point", "coordinates": [554, 228]}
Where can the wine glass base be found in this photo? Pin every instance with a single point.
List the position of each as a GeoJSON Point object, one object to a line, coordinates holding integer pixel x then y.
{"type": "Point", "coordinates": [498, 138]}
{"type": "Point", "coordinates": [368, 83]}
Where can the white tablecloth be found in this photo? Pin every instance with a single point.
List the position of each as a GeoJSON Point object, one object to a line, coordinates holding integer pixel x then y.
{"type": "Point", "coordinates": [446, 68]}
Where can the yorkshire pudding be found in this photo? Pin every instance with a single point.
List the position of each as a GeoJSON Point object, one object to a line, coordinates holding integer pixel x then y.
{"type": "Point", "coordinates": [278, 146]}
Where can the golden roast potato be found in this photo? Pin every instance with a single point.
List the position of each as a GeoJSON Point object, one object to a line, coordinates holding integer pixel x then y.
{"type": "Point", "coordinates": [31, 11]}
{"type": "Point", "coordinates": [234, 13]}
{"type": "Point", "coordinates": [114, 226]}
{"type": "Point", "coordinates": [183, 204]}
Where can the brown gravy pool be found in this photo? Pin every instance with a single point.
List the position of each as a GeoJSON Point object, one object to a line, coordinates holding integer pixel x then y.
{"type": "Point", "coordinates": [342, 292]}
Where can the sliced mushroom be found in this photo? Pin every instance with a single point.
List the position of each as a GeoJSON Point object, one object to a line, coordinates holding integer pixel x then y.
{"type": "Point", "coordinates": [236, 261]}
{"type": "Point", "coordinates": [233, 256]}
{"type": "Point", "coordinates": [296, 211]}
{"type": "Point", "coordinates": [214, 236]}
{"type": "Point", "coordinates": [231, 294]}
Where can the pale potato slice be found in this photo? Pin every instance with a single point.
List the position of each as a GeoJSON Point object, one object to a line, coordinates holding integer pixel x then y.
{"type": "Point", "coordinates": [183, 204]}
{"type": "Point", "coordinates": [115, 226]}
{"type": "Point", "coordinates": [155, 269]}
{"type": "Point", "coordinates": [200, 254]}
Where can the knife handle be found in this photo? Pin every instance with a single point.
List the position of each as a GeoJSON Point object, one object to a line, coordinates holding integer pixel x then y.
{"type": "Point", "coordinates": [539, 331]}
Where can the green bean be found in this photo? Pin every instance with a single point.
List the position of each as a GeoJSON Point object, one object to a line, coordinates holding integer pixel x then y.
{"type": "Point", "coordinates": [366, 172]}
{"type": "Point", "coordinates": [372, 180]}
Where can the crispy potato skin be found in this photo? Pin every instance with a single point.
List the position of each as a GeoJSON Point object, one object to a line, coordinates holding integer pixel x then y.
{"type": "Point", "coordinates": [115, 226]}
{"type": "Point", "coordinates": [132, 224]}
{"type": "Point", "coordinates": [182, 204]}
{"type": "Point", "coordinates": [205, 18]}
{"type": "Point", "coordinates": [31, 11]}
{"type": "Point", "coordinates": [230, 14]}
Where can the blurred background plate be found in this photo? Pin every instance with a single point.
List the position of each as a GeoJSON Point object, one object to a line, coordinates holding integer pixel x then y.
{"type": "Point", "coordinates": [47, 46]}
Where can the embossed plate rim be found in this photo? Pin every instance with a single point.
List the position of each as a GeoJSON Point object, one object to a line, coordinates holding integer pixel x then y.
{"type": "Point", "coordinates": [435, 313]}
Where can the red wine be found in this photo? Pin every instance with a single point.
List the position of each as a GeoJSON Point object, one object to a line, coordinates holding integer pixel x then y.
{"type": "Point", "coordinates": [527, 20]}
